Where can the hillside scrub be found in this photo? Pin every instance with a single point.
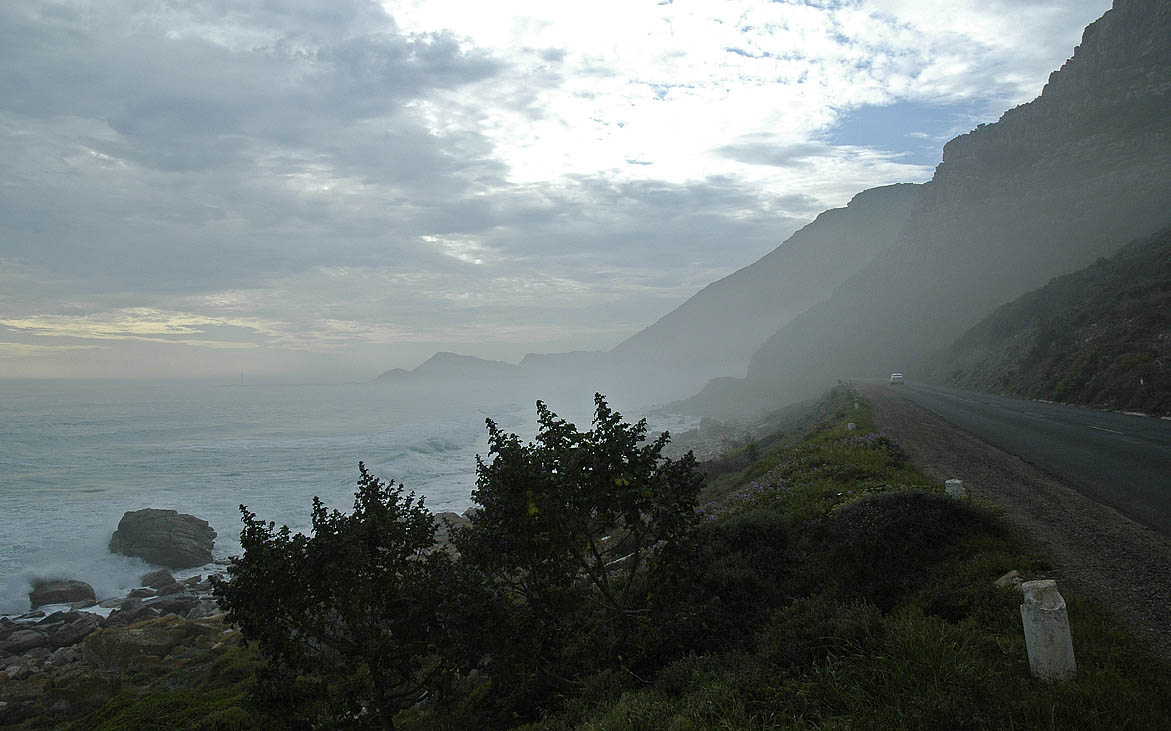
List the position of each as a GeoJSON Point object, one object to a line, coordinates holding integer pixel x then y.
{"type": "Point", "coordinates": [1099, 337]}
{"type": "Point", "coordinates": [828, 584]}
{"type": "Point", "coordinates": [882, 610]}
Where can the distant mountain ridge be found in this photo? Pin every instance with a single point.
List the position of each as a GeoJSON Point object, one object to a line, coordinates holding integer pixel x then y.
{"type": "Point", "coordinates": [718, 328]}
{"type": "Point", "coordinates": [1100, 337]}
{"type": "Point", "coordinates": [1054, 184]}
{"type": "Point", "coordinates": [447, 365]}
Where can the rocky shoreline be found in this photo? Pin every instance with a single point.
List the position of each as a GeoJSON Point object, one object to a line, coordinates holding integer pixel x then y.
{"type": "Point", "coordinates": [54, 635]}
{"type": "Point", "coordinates": [68, 624]}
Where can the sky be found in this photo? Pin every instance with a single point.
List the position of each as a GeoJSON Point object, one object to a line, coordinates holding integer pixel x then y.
{"type": "Point", "coordinates": [326, 189]}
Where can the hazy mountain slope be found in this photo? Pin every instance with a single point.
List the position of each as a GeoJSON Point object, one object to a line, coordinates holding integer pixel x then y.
{"type": "Point", "coordinates": [1100, 336]}
{"type": "Point", "coordinates": [718, 328]}
{"type": "Point", "coordinates": [452, 366]}
{"type": "Point", "coordinates": [1054, 184]}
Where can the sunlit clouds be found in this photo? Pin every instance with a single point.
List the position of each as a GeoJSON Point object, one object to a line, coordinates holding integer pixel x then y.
{"type": "Point", "coordinates": [335, 187]}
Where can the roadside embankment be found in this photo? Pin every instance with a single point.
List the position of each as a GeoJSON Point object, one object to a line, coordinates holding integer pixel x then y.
{"type": "Point", "coordinates": [1104, 555]}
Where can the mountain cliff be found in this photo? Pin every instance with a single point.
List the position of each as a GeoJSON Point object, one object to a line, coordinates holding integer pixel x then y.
{"type": "Point", "coordinates": [1051, 186]}
{"type": "Point", "coordinates": [717, 329]}
{"type": "Point", "coordinates": [1100, 336]}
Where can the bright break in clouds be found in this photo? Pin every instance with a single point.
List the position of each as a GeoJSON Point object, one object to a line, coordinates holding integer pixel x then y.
{"type": "Point", "coordinates": [337, 187]}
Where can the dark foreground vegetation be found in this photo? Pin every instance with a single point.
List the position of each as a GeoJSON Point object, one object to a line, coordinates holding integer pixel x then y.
{"type": "Point", "coordinates": [827, 584]}
{"type": "Point", "coordinates": [1099, 337]}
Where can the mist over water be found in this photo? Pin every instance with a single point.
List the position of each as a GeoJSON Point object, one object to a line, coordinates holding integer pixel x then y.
{"type": "Point", "coordinates": [74, 456]}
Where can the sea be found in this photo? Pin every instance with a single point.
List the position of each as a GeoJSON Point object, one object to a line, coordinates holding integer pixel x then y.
{"type": "Point", "coordinates": [76, 455]}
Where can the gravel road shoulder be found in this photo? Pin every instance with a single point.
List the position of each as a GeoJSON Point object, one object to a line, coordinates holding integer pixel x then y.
{"type": "Point", "coordinates": [1093, 548]}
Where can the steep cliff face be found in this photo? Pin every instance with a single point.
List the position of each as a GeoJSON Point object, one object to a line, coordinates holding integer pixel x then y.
{"type": "Point", "coordinates": [1100, 336]}
{"type": "Point", "coordinates": [1051, 186]}
{"type": "Point", "coordinates": [719, 327]}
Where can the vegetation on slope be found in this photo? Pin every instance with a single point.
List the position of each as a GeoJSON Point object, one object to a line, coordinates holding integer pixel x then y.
{"type": "Point", "coordinates": [1100, 336]}
{"type": "Point", "coordinates": [827, 584]}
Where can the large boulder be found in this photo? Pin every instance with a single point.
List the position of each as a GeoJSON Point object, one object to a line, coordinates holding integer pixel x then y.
{"type": "Point", "coordinates": [75, 628]}
{"type": "Point", "coordinates": [60, 592]}
{"type": "Point", "coordinates": [157, 579]}
{"type": "Point", "coordinates": [164, 537]}
{"type": "Point", "coordinates": [23, 640]}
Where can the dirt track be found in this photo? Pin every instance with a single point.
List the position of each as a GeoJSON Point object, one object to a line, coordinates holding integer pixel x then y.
{"type": "Point", "coordinates": [1100, 553]}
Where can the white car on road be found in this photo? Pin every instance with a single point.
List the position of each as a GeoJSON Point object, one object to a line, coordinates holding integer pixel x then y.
{"type": "Point", "coordinates": [896, 379]}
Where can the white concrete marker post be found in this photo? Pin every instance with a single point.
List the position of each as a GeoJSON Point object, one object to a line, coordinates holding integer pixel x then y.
{"type": "Point", "coordinates": [955, 488]}
{"type": "Point", "coordinates": [1047, 637]}
{"type": "Point", "coordinates": [855, 404]}
{"type": "Point", "coordinates": [851, 426]}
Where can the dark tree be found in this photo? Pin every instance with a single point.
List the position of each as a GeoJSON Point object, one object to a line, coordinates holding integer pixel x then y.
{"type": "Point", "coordinates": [577, 527]}
{"type": "Point", "coordinates": [361, 609]}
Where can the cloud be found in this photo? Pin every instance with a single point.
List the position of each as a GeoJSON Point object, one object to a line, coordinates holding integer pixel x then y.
{"type": "Point", "coordinates": [322, 174]}
{"type": "Point", "coordinates": [144, 325]}
{"type": "Point", "coordinates": [21, 351]}
{"type": "Point", "coordinates": [778, 155]}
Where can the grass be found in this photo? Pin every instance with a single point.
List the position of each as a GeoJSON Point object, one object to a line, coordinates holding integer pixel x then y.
{"type": "Point", "coordinates": [888, 617]}
{"type": "Point", "coordinates": [207, 692]}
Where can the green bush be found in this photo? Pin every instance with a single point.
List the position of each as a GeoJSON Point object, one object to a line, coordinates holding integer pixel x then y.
{"type": "Point", "coordinates": [577, 530]}
{"type": "Point", "coordinates": [356, 621]}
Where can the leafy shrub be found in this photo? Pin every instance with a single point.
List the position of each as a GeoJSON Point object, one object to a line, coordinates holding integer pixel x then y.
{"type": "Point", "coordinates": [355, 620]}
{"type": "Point", "coordinates": [578, 532]}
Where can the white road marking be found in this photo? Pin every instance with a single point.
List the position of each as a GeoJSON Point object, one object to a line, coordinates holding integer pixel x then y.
{"type": "Point", "coordinates": [1099, 428]}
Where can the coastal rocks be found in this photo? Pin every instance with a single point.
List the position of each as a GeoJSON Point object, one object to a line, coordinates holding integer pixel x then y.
{"type": "Point", "coordinates": [59, 687]}
{"type": "Point", "coordinates": [130, 612]}
{"type": "Point", "coordinates": [60, 629]}
{"type": "Point", "coordinates": [73, 628]}
{"type": "Point", "coordinates": [157, 579]}
{"type": "Point", "coordinates": [60, 592]}
{"type": "Point", "coordinates": [35, 646]}
{"type": "Point", "coordinates": [23, 640]}
{"type": "Point", "coordinates": [115, 648]}
{"type": "Point", "coordinates": [62, 664]}
{"type": "Point", "coordinates": [174, 587]}
{"type": "Point", "coordinates": [444, 522]}
{"type": "Point", "coordinates": [164, 537]}
{"type": "Point", "coordinates": [179, 604]}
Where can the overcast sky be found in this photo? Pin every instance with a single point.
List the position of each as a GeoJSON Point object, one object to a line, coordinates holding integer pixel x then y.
{"type": "Point", "coordinates": [331, 188]}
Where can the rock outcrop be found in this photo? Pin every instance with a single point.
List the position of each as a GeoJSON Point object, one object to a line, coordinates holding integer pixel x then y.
{"type": "Point", "coordinates": [444, 522]}
{"type": "Point", "coordinates": [117, 648]}
{"type": "Point", "coordinates": [165, 537]}
{"type": "Point", "coordinates": [60, 592]}
{"type": "Point", "coordinates": [157, 579]}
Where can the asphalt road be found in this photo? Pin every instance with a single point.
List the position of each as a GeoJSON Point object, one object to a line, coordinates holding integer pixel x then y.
{"type": "Point", "coordinates": [1119, 459]}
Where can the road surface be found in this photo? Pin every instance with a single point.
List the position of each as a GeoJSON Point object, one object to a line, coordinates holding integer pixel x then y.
{"type": "Point", "coordinates": [1119, 459]}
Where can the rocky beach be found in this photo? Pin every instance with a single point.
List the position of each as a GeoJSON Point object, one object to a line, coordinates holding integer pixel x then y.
{"type": "Point", "coordinates": [68, 623]}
